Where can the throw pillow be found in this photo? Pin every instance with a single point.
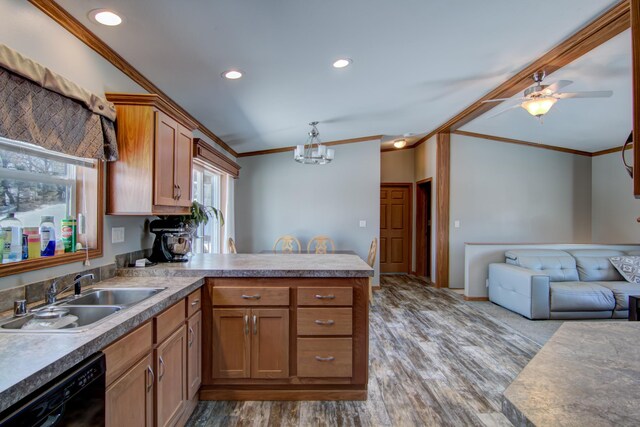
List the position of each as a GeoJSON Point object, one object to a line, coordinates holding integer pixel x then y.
{"type": "Point", "coordinates": [628, 266]}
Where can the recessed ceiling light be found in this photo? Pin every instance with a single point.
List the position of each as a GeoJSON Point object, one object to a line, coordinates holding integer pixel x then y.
{"type": "Point", "coordinates": [342, 62]}
{"type": "Point", "coordinates": [105, 17]}
{"type": "Point", "coordinates": [399, 143]}
{"type": "Point", "coordinates": [232, 74]}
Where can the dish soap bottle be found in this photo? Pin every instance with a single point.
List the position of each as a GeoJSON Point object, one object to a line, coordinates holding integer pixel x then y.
{"type": "Point", "coordinates": [12, 228]}
{"type": "Point", "coordinates": [47, 236]}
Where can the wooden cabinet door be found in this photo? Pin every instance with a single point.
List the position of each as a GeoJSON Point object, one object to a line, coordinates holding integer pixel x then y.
{"type": "Point", "coordinates": [182, 166]}
{"type": "Point", "coordinates": [270, 343]}
{"type": "Point", "coordinates": [231, 343]}
{"type": "Point", "coordinates": [129, 400]}
{"type": "Point", "coordinates": [194, 354]}
{"type": "Point", "coordinates": [164, 164]}
{"type": "Point", "coordinates": [395, 228]}
{"type": "Point", "coordinates": [171, 364]}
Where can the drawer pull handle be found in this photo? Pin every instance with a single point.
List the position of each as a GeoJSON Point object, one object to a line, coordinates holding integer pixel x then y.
{"type": "Point", "coordinates": [161, 369]}
{"type": "Point", "coordinates": [195, 302]}
{"type": "Point", "coordinates": [153, 378]}
{"type": "Point", "coordinates": [191, 335]}
{"type": "Point", "coordinates": [325, 359]}
{"type": "Point", "coordinates": [325, 297]}
{"type": "Point", "coordinates": [324, 322]}
{"type": "Point", "coordinates": [255, 325]}
{"type": "Point", "coordinates": [251, 296]}
{"type": "Point", "coordinates": [246, 324]}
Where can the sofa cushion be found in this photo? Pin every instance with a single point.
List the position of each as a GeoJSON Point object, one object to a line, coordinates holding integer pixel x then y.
{"type": "Point", "coordinates": [558, 265]}
{"type": "Point", "coordinates": [633, 253]}
{"type": "Point", "coordinates": [621, 292]}
{"type": "Point", "coordinates": [628, 267]}
{"type": "Point", "coordinates": [580, 296]}
{"type": "Point", "coordinates": [594, 265]}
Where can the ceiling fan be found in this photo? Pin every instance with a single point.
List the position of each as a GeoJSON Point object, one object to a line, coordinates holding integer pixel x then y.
{"type": "Point", "coordinates": [539, 98]}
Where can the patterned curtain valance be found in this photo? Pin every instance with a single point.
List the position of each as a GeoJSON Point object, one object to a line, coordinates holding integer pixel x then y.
{"type": "Point", "coordinates": [42, 108]}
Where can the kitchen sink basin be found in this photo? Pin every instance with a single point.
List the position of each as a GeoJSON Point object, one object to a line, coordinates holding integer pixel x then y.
{"type": "Point", "coordinates": [85, 316]}
{"type": "Point", "coordinates": [113, 296]}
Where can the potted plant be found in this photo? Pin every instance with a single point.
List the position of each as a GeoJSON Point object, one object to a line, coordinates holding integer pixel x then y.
{"type": "Point", "coordinates": [200, 214]}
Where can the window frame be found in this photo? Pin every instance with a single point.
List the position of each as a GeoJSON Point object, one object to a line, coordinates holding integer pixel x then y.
{"type": "Point", "coordinates": [23, 266]}
{"type": "Point", "coordinates": [202, 168]}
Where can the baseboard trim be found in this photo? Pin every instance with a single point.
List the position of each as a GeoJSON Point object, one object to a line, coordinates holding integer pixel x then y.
{"type": "Point", "coordinates": [468, 298]}
{"type": "Point", "coordinates": [376, 287]}
{"type": "Point", "coordinates": [189, 407]}
{"type": "Point", "coordinates": [296, 395]}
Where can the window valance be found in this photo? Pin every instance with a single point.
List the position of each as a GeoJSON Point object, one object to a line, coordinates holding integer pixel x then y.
{"type": "Point", "coordinates": [207, 154]}
{"type": "Point", "coordinates": [45, 109]}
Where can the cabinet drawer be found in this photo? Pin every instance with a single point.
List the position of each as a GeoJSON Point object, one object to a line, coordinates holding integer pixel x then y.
{"type": "Point", "coordinates": [325, 357]}
{"type": "Point", "coordinates": [324, 321]}
{"type": "Point", "coordinates": [194, 302]}
{"type": "Point", "coordinates": [168, 321]}
{"type": "Point", "coordinates": [249, 296]}
{"type": "Point", "coordinates": [325, 296]}
{"type": "Point", "coordinates": [122, 354]}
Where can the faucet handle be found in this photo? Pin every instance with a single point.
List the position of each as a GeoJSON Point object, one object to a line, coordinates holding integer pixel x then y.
{"type": "Point", "coordinates": [20, 308]}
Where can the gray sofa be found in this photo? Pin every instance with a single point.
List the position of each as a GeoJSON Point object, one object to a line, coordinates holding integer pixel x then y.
{"type": "Point", "coordinates": [555, 284]}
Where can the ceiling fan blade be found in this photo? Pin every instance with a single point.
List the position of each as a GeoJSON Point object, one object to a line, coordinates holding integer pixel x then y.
{"type": "Point", "coordinates": [556, 86]}
{"type": "Point", "coordinates": [592, 94]}
{"type": "Point", "coordinates": [502, 99]}
{"type": "Point", "coordinates": [504, 111]}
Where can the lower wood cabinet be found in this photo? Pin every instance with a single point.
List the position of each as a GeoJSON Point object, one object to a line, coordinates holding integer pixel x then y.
{"type": "Point", "coordinates": [154, 373]}
{"type": "Point", "coordinates": [250, 343]}
{"type": "Point", "coordinates": [171, 387]}
{"type": "Point", "coordinates": [129, 400]}
{"type": "Point", "coordinates": [285, 339]}
{"type": "Point", "coordinates": [194, 355]}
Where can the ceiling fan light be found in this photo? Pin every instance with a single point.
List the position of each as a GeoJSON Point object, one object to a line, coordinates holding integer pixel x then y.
{"type": "Point", "coordinates": [539, 106]}
{"type": "Point", "coordinates": [400, 143]}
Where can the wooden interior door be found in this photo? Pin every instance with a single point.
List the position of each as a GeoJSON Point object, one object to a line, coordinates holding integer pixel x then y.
{"type": "Point", "coordinates": [194, 354]}
{"type": "Point", "coordinates": [231, 352]}
{"type": "Point", "coordinates": [395, 228]}
{"type": "Point", "coordinates": [129, 400]}
{"type": "Point", "coordinates": [270, 343]}
{"type": "Point", "coordinates": [182, 166]}
{"type": "Point", "coordinates": [171, 371]}
{"type": "Point", "coordinates": [164, 165]}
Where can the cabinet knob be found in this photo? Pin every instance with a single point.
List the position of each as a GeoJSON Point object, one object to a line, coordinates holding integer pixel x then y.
{"type": "Point", "coordinates": [195, 302]}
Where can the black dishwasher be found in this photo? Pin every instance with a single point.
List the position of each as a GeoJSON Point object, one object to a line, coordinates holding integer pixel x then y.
{"type": "Point", "coordinates": [75, 398]}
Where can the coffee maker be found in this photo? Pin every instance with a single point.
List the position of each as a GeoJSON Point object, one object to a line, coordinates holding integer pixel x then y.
{"type": "Point", "coordinates": [173, 240]}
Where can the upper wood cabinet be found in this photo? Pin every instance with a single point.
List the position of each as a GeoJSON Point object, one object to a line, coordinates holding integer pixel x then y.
{"type": "Point", "coordinates": [155, 142]}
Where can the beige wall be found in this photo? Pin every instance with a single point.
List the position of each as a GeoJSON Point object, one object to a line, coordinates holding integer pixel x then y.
{"type": "Point", "coordinates": [614, 209]}
{"type": "Point", "coordinates": [510, 193]}
{"type": "Point", "coordinates": [397, 166]}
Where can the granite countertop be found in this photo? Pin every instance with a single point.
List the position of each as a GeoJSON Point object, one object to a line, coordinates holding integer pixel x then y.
{"type": "Point", "coordinates": [588, 373]}
{"type": "Point", "coordinates": [28, 360]}
{"type": "Point", "coordinates": [260, 265]}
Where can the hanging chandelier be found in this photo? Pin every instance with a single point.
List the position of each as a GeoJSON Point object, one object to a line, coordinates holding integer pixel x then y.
{"type": "Point", "coordinates": [313, 152]}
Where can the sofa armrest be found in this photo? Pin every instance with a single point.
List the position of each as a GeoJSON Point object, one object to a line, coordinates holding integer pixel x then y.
{"type": "Point", "coordinates": [519, 289]}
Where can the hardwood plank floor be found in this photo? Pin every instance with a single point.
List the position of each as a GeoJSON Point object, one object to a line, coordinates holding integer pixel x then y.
{"type": "Point", "coordinates": [434, 361]}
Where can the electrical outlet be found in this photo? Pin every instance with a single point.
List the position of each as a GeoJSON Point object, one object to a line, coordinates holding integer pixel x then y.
{"type": "Point", "coordinates": [363, 223]}
{"type": "Point", "coordinates": [117, 234]}
{"type": "Point", "coordinates": [456, 224]}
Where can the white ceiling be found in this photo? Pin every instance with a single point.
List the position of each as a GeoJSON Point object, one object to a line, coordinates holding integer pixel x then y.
{"type": "Point", "coordinates": [416, 62]}
{"type": "Point", "coordinates": [582, 124]}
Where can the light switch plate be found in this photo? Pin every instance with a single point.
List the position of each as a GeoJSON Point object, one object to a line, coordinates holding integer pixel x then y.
{"type": "Point", "coordinates": [117, 234]}
{"type": "Point", "coordinates": [363, 223]}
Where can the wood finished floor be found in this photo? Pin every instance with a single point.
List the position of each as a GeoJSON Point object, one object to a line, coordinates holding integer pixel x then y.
{"type": "Point", "coordinates": [434, 361]}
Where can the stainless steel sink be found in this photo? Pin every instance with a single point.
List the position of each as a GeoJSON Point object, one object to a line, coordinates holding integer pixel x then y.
{"type": "Point", "coordinates": [87, 315]}
{"type": "Point", "coordinates": [123, 297]}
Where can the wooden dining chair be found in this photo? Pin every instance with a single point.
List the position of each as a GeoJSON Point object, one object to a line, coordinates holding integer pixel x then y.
{"type": "Point", "coordinates": [288, 243]}
{"type": "Point", "coordinates": [371, 259]}
{"type": "Point", "coordinates": [321, 243]}
{"type": "Point", "coordinates": [232, 246]}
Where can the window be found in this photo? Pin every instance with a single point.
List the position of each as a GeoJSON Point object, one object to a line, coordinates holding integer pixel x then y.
{"type": "Point", "coordinates": [207, 190]}
{"type": "Point", "coordinates": [37, 183]}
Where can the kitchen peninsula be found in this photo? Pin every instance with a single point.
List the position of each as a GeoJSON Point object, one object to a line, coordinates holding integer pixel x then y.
{"type": "Point", "coordinates": [270, 327]}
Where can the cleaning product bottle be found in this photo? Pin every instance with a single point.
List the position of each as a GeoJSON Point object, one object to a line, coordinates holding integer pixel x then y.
{"type": "Point", "coordinates": [13, 241]}
{"type": "Point", "coordinates": [69, 234]}
{"type": "Point", "coordinates": [47, 236]}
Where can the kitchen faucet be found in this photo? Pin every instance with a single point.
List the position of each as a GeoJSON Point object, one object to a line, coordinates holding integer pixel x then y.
{"type": "Point", "coordinates": [53, 292]}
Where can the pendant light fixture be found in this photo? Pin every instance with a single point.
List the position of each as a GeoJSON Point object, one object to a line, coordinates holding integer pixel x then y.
{"type": "Point", "coordinates": [313, 152]}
